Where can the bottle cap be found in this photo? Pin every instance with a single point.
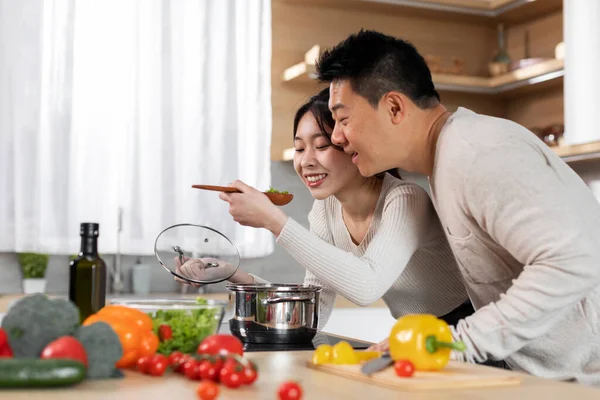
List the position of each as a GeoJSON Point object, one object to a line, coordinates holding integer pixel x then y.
{"type": "Point", "coordinates": [89, 229]}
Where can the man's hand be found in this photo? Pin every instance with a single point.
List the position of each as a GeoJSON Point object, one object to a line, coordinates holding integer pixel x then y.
{"type": "Point", "coordinates": [253, 208]}
{"type": "Point", "coordinates": [382, 346]}
{"type": "Point", "coordinates": [196, 269]}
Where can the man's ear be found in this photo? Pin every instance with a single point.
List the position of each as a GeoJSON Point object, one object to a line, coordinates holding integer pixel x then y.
{"type": "Point", "coordinates": [395, 105]}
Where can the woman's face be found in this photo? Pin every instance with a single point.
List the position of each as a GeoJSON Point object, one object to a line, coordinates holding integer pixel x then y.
{"type": "Point", "coordinates": [323, 169]}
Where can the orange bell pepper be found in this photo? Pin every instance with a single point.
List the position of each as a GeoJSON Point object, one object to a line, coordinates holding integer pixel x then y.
{"type": "Point", "coordinates": [134, 329]}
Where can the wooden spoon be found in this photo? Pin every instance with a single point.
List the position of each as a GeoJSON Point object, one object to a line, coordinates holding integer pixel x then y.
{"type": "Point", "coordinates": [279, 199]}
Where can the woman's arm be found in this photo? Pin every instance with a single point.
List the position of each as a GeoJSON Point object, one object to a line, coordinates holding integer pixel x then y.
{"type": "Point", "coordinates": [365, 279]}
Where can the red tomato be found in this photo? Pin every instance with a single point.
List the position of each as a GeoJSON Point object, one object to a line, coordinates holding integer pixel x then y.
{"type": "Point", "coordinates": [3, 337]}
{"type": "Point", "coordinates": [207, 390]}
{"type": "Point", "coordinates": [289, 391]}
{"type": "Point", "coordinates": [231, 378]}
{"type": "Point", "coordinates": [190, 369]}
{"type": "Point", "coordinates": [221, 344]}
{"type": "Point", "coordinates": [207, 371]}
{"type": "Point", "coordinates": [65, 347]}
{"type": "Point", "coordinates": [250, 374]}
{"type": "Point", "coordinates": [404, 368]}
{"type": "Point", "coordinates": [174, 358]}
{"type": "Point", "coordinates": [181, 362]}
{"type": "Point", "coordinates": [143, 364]}
{"type": "Point", "coordinates": [165, 332]}
{"type": "Point", "coordinates": [158, 365]}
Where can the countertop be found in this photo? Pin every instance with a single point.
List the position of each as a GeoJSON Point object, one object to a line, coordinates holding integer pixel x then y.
{"type": "Point", "coordinates": [277, 367]}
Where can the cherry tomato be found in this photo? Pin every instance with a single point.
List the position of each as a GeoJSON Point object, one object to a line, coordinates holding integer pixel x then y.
{"type": "Point", "coordinates": [404, 368]}
{"type": "Point", "coordinates": [221, 344]}
{"type": "Point", "coordinates": [143, 364]}
{"type": "Point", "coordinates": [207, 371]}
{"type": "Point", "coordinates": [230, 377]}
{"type": "Point", "coordinates": [174, 358]}
{"type": "Point", "coordinates": [165, 332]}
{"type": "Point", "coordinates": [65, 347]}
{"type": "Point", "coordinates": [178, 367]}
{"type": "Point", "coordinates": [158, 365]}
{"type": "Point", "coordinates": [289, 391]}
{"type": "Point", "coordinates": [207, 390]}
{"type": "Point", "coordinates": [190, 369]}
{"type": "Point", "coordinates": [250, 374]}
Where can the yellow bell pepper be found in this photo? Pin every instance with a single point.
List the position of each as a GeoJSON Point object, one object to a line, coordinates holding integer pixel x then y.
{"type": "Point", "coordinates": [343, 353]}
{"type": "Point", "coordinates": [423, 339]}
{"type": "Point", "coordinates": [322, 354]}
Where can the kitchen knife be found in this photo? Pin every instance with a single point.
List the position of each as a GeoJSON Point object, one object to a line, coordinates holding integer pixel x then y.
{"type": "Point", "coordinates": [377, 364]}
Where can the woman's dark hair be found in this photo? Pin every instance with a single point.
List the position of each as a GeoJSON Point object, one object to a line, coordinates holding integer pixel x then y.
{"type": "Point", "coordinates": [318, 105]}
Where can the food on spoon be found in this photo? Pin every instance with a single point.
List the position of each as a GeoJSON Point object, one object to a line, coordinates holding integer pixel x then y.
{"type": "Point", "coordinates": [424, 340]}
{"type": "Point", "coordinates": [271, 190]}
{"type": "Point", "coordinates": [36, 320]}
{"type": "Point", "coordinates": [38, 373]}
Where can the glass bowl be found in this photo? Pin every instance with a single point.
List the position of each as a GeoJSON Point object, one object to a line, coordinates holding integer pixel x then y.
{"type": "Point", "coordinates": [190, 320]}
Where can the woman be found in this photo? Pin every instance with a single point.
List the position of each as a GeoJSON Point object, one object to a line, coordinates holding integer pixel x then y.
{"type": "Point", "coordinates": [369, 238]}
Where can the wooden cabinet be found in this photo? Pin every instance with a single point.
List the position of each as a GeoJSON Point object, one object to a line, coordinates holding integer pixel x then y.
{"type": "Point", "coordinates": [447, 29]}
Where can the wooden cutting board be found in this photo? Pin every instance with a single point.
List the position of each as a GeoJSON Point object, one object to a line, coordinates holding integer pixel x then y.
{"type": "Point", "coordinates": [456, 375]}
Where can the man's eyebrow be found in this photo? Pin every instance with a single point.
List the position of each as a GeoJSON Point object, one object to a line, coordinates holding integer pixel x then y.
{"type": "Point", "coordinates": [337, 107]}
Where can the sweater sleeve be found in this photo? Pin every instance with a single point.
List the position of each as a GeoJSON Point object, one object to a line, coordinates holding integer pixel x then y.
{"type": "Point", "coordinates": [365, 279]}
{"type": "Point", "coordinates": [514, 194]}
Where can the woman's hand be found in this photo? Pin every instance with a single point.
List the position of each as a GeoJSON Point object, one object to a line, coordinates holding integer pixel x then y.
{"type": "Point", "coordinates": [382, 346]}
{"type": "Point", "coordinates": [253, 208]}
{"type": "Point", "coordinates": [196, 269]}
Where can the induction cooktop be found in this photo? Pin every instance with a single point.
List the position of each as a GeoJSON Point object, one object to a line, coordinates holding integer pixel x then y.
{"type": "Point", "coordinates": [320, 338]}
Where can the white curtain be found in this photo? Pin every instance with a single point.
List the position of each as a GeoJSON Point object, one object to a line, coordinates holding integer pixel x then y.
{"type": "Point", "coordinates": [123, 105]}
{"type": "Point", "coordinates": [581, 33]}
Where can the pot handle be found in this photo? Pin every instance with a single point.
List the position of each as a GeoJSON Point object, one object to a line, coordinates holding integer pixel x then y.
{"type": "Point", "coordinates": [275, 300]}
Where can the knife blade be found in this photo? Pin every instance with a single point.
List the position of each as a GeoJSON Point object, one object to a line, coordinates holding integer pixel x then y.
{"type": "Point", "coordinates": [377, 364]}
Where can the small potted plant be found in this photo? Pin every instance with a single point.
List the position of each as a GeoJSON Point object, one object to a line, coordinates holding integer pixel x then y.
{"type": "Point", "coordinates": [33, 266]}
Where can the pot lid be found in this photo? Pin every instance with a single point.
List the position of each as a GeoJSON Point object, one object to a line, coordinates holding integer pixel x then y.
{"type": "Point", "coordinates": [196, 254]}
{"type": "Point", "coordinates": [272, 287]}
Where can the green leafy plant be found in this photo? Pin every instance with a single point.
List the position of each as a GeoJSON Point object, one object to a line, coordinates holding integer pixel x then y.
{"type": "Point", "coordinates": [33, 265]}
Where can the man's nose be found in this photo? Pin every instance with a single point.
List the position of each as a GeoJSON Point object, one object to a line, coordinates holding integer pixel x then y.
{"type": "Point", "coordinates": [337, 136]}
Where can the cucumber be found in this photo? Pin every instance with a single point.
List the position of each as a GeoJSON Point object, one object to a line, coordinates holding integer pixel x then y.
{"type": "Point", "coordinates": [36, 372]}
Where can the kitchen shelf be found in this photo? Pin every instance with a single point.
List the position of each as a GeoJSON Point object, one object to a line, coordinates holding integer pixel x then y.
{"type": "Point", "coordinates": [570, 154]}
{"type": "Point", "coordinates": [550, 71]}
{"type": "Point", "coordinates": [545, 72]}
{"type": "Point", "coordinates": [507, 11]}
{"type": "Point", "coordinates": [579, 152]}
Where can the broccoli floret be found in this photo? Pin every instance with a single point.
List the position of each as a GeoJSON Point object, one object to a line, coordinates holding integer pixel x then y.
{"type": "Point", "coordinates": [36, 320]}
{"type": "Point", "coordinates": [103, 350]}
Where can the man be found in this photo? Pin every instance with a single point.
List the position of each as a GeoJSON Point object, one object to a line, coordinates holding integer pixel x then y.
{"type": "Point", "coordinates": [524, 227]}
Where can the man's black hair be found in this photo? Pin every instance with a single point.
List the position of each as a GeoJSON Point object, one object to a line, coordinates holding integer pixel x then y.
{"type": "Point", "coordinates": [375, 64]}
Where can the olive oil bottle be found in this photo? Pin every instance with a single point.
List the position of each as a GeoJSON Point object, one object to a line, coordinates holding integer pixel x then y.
{"type": "Point", "coordinates": [87, 273]}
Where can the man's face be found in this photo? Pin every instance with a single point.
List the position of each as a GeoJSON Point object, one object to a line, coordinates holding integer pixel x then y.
{"type": "Point", "coordinates": [362, 130]}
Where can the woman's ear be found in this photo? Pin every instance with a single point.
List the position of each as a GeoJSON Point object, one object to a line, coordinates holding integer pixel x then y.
{"type": "Point", "coordinates": [394, 103]}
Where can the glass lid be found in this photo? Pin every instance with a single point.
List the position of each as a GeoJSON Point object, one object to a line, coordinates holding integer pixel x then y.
{"type": "Point", "coordinates": [196, 254]}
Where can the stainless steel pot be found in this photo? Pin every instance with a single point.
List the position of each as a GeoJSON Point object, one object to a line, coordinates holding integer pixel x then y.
{"type": "Point", "coordinates": [274, 313]}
